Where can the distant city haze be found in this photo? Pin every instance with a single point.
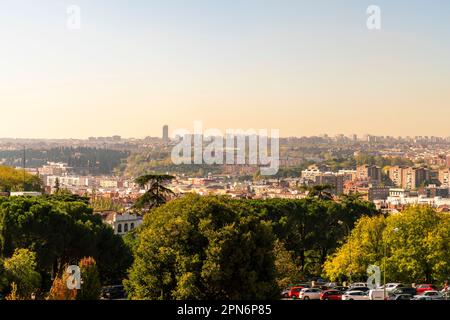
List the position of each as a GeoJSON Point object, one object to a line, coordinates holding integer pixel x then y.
{"type": "Point", "coordinates": [303, 67]}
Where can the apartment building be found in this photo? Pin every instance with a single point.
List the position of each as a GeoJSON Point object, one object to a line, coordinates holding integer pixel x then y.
{"type": "Point", "coordinates": [311, 174]}
{"type": "Point", "coordinates": [377, 193]}
{"type": "Point", "coordinates": [395, 174]}
{"type": "Point", "coordinates": [370, 173]}
{"type": "Point", "coordinates": [409, 178]}
{"type": "Point", "coordinates": [53, 169]}
{"type": "Point", "coordinates": [433, 191]}
{"type": "Point", "coordinates": [412, 178]}
{"type": "Point", "coordinates": [332, 179]}
{"type": "Point", "coordinates": [66, 181]}
{"type": "Point", "coordinates": [444, 177]}
{"type": "Point", "coordinates": [108, 183]}
{"type": "Point", "coordinates": [349, 175]}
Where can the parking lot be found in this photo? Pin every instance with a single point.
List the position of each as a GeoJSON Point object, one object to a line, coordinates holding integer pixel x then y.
{"type": "Point", "coordinates": [361, 291]}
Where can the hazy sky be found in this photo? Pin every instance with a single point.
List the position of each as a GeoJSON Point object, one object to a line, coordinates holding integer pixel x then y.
{"type": "Point", "coordinates": [304, 67]}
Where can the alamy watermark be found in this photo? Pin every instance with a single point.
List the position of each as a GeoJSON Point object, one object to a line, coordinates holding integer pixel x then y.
{"type": "Point", "coordinates": [235, 147]}
{"type": "Point", "coordinates": [73, 21]}
{"type": "Point", "coordinates": [73, 17]}
{"type": "Point", "coordinates": [374, 17]}
{"type": "Point", "coordinates": [374, 279]}
{"type": "Point", "coordinates": [74, 279]}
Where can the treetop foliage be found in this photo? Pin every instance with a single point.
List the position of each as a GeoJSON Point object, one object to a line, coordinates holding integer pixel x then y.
{"type": "Point", "coordinates": [60, 233]}
{"type": "Point", "coordinates": [17, 180]}
{"type": "Point", "coordinates": [416, 242]}
{"type": "Point", "coordinates": [210, 247]}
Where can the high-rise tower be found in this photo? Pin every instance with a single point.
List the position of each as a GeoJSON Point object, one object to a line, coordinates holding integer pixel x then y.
{"type": "Point", "coordinates": [165, 133]}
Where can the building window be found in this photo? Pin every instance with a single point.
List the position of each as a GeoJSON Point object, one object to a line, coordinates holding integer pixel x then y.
{"type": "Point", "coordinates": [125, 228]}
{"type": "Point", "coordinates": [132, 226]}
{"type": "Point", "coordinates": [119, 228]}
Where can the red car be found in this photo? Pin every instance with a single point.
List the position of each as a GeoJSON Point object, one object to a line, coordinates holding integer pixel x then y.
{"type": "Point", "coordinates": [295, 292]}
{"type": "Point", "coordinates": [421, 288]}
{"type": "Point", "coordinates": [331, 295]}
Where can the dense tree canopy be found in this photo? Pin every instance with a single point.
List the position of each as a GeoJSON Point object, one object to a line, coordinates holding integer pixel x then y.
{"type": "Point", "coordinates": [416, 242]}
{"type": "Point", "coordinates": [20, 270]}
{"type": "Point", "coordinates": [286, 266]}
{"type": "Point", "coordinates": [220, 248]}
{"type": "Point", "coordinates": [203, 248]}
{"type": "Point", "coordinates": [83, 160]}
{"type": "Point", "coordinates": [60, 233]}
{"type": "Point", "coordinates": [312, 228]}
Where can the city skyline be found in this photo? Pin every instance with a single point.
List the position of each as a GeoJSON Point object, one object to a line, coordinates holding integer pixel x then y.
{"type": "Point", "coordinates": [304, 68]}
{"type": "Point", "coordinates": [358, 137]}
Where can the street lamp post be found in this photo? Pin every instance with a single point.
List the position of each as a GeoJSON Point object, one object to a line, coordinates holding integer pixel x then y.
{"type": "Point", "coordinates": [384, 263]}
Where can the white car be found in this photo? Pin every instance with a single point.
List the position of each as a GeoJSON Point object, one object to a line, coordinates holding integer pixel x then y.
{"type": "Point", "coordinates": [358, 285]}
{"type": "Point", "coordinates": [434, 295]}
{"type": "Point", "coordinates": [378, 294]}
{"type": "Point", "coordinates": [355, 295]}
{"type": "Point", "coordinates": [310, 294]}
{"type": "Point", "coordinates": [392, 286]}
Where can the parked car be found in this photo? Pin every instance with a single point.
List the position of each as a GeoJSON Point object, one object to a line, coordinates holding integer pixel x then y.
{"type": "Point", "coordinates": [419, 297]}
{"type": "Point", "coordinates": [400, 297]}
{"type": "Point", "coordinates": [433, 294]}
{"type": "Point", "coordinates": [378, 294]}
{"type": "Point", "coordinates": [358, 285]}
{"type": "Point", "coordinates": [364, 289]}
{"type": "Point", "coordinates": [113, 292]}
{"type": "Point", "coordinates": [322, 288]}
{"type": "Point", "coordinates": [285, 292]}
{"type": "Point", "coordinates": [405, 290]}
{"type": "Point", "coordinates": [355, 295]}
{"type": "Point", "coordinates": [421, 288]}
{"type": "Point", "coordinates": [392, 286]}
{"type": "Point", "coordinates": [341, 288]}
{"type": "Point", "coordinates": [310, 294]}
{"type": "Point", "coordinates": [294, 292]}
{"type": "Point", "coordinates": [331, 295]}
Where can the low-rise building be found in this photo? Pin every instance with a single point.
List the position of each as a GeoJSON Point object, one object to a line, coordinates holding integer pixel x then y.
{"type": "Point", "coordinates": [378, 193]}
{"type": "Point", "coordinates": [121, 223]}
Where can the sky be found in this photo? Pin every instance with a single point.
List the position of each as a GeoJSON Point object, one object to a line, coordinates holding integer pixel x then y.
{"type": "Point", "coordinates": [303, 67]}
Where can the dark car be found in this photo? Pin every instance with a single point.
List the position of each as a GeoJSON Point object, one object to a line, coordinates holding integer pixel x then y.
{"type": "Point", "coordinates": [341, 288]}
{"type": "Point", "coordinates": [363, 289]}
{"type": "Point", "coordinates": [405, 290]}
{"type": "Point", "coordinates": [113, 292]}
{"type": "Point", "coordinates": [400, 297]}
